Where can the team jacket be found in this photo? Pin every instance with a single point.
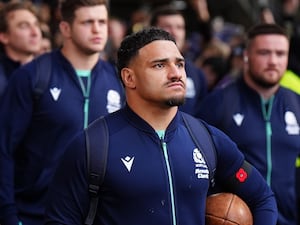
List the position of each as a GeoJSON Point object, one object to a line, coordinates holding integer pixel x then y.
{"type": "Point", "coordinates": [268, 135]}
{"type": "Point", "coordinates": [152, 180]}
{"type": "Point", "coordinates": [35, 132]}
{"type": "Point", "coordinates": [196, 89]}
{"type": "Point", "coordinates": [7, 67]}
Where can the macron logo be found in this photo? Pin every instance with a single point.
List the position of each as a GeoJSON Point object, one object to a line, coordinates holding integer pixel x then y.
{"type": "Point", "coordinates": [55, 92]}
{"type": "Point", "coordinates": [128, 161]}
{"type": "Point", "coordinates": [238, 119]}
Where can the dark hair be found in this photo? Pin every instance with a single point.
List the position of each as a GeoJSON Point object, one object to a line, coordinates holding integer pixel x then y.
{"type": "Point", "coordinates": [166, 10]}
{"type": "Point", "coordinates": [14, 6]}
{"type": "Point", "coordinates": [263, 29]}
{"type": "Point", "coordinates": [132, 43]}
{"type": "Point", "coordinates": [68, 7]}
{"type": "Point", "coordinates": [217, 64]}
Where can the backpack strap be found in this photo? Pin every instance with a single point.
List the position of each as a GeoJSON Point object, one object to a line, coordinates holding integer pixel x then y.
{"type": "Point", "coordinates": [43, 73]}
{"type": "Point", "coordinates": [97, 139]}
{"type": "Point", "coordinates": [204, 143]}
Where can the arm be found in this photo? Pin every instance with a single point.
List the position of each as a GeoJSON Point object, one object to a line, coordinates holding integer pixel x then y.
{"type": "Point", "coordinates": [68, 197]}
{"type": "Point", "coordinates": [15, 116]}
{"type": "Point", "coordinates": [251, 187]}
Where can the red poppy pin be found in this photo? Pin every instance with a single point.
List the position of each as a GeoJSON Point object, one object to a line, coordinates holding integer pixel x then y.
{"type": "Point", "coordinates": [241, 175]}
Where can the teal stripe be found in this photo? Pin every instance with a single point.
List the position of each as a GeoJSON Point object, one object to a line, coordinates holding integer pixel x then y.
{"type": "Point", "coordinates": [164, 146]}
{"type": "Point", "coordinates": [267, 117]}
{"type": "Point", "coordinates": [86, 112]}
{"type": "Point", "coordinates": [86, 94]}
{"type": "Point", "coordinates": [269, 152]}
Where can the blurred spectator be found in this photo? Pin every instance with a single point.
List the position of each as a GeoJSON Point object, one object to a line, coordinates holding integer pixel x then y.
{"type": "Point", "coordinates": [172, 20]}
{"type": "Point", "coordinates": [198, 27]}
{"type": "Point", "coordinates": [20, 38]}
{"type": "Point", "coordinates": [139, 18]}
{"type": "Point", "coordinates": [244, 12]}
{"type": "Point", "coordinates": [214, 69]}
{"type": "Point", "coordinates": [46, 43]}
{"type": "Point", "coordinates": [117, 29]}
{"type": "Point", "coordinates": [215, 48]}
{"type": "Point", "coordinates": [235, 65]}
{"type": "Point", "coordinates": [289, 17]}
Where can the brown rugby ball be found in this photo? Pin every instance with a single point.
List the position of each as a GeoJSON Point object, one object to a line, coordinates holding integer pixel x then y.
{"type": "Point", "coordinates": [227, 209]}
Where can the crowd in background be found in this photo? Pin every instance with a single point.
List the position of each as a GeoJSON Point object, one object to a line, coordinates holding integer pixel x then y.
{"type": "Point", "coordinates": [214, 32]}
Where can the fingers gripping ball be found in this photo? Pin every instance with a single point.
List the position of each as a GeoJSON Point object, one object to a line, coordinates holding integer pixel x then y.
{"type": "Point", "coordinates": [227, 209]}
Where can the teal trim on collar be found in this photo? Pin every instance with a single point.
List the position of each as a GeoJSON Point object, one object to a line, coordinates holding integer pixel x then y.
{"type": "Point", "coordinates": [161, 134]}
{"type": "Point", "coordinates": [83, 73]}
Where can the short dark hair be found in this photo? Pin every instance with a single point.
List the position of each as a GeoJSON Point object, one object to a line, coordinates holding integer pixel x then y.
{"type": "Point", "coordinates": [132, 43]}
{"type": "Point", "coordinates": [14, 6]}
{"type": "Point", "coordinates": [263, 29]}
{"type": "Point", "coordinates": [166, 10]}
{"type": "Point", "coordinates": [68, 7]}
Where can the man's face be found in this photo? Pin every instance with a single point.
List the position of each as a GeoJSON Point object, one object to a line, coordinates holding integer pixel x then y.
{"type": "Point", "coordinates": [267, 59]}
{"type": "Point", "coordinates": [89, 29]}
{"type": "Point", "coordinates": [24, 34]}
{"type": "Point", "coordinates": [158, 75]}
{"type": "Point", "coordinates": [175, 25]}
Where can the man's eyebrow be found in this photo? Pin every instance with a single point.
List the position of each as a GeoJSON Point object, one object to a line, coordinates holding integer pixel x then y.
{"type": "Point", "coordinates": [180, 59]}
{"type": "Point", "coordinates": [177, 59]}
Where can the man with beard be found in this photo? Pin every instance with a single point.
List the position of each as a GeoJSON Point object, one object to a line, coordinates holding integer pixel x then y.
{"type": "Point", "coordinates": [155, 174]}
{"type": "Point", "coordinates": [261, 116]}
{"type": "Point", "coordinates": [35, 129]}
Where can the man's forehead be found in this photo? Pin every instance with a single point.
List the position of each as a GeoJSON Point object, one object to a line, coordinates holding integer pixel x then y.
{"type": "Point", "coordinates": [160, 47]}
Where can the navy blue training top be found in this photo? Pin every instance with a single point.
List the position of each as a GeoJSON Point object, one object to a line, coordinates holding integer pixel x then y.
{"type": "Point", "coordinates": [266, 132]}
{"type": "Point", "coordinates": [34, 133]}
{"type": "Point", "coordinates": [150, 180]}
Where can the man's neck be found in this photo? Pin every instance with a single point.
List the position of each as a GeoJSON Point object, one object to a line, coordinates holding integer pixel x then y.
{"type": "Point", "coordinates": [19, 57]}
{"type": "Point", "coordinates": [265, 92]}
{"type": "Point", "coordinates": [157, 117]}
{"type": "Point", "coordinates": [80, 60]}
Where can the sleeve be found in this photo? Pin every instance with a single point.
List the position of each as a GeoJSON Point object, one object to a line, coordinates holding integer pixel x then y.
{"type": "Point", "coordinates": [237, 176]}
{"type": "Point", "coordinates": [15, 115]}
{"type": "Point", "coordinates": [68, 196]}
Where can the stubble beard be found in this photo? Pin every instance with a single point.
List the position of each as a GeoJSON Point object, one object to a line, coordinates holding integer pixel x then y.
{"type": "Point", "coordinates": [175, 101]}
{"type": "Point", "coordinates": [263, 83]}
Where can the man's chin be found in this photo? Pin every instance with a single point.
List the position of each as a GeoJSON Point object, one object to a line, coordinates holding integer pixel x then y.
{"type": "Point", "coordinates": [175, 101]}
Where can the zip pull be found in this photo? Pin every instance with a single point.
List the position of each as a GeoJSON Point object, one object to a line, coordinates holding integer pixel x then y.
{"type": "Point", "coordinates": [268, 129]}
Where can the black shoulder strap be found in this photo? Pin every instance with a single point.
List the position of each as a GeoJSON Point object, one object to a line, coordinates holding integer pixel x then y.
{"type": "Point", "coordinates": [203, 141]}
{"type": "Point", "coordinates": [43, 73]}
{"type": "Point", "coordinates": [97, 139]}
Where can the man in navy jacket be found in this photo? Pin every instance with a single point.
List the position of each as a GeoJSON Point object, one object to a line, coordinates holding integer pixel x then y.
{"type": "Point", "coordinates": [20, 38]}
{"type": "Point", "coordinates": [261, 116]}
{"type": "Point", "coordinates": [155, 174]}
{"type": "Point", "coordinates": [33, 131]}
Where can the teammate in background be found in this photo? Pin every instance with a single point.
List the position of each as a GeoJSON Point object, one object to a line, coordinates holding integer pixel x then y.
{"type": "Point", "coordinates": [35, 128]}
{"type": "Point", "coordinates": [261, 116]}
{"type": "Point", "coordinates": [20, 38]}
{"type": "Point", "coordinates": [153, 162]}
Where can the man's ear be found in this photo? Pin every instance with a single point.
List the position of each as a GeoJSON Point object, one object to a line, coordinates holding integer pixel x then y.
{"type": "Point", "coordinates": [128, 78]}
{"type": "Point", "coordinates": [65, 29]}
{"type": "Point", "coordinates": [3, 38]}
{"type": "Point", "coordinates": [245, 57]}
